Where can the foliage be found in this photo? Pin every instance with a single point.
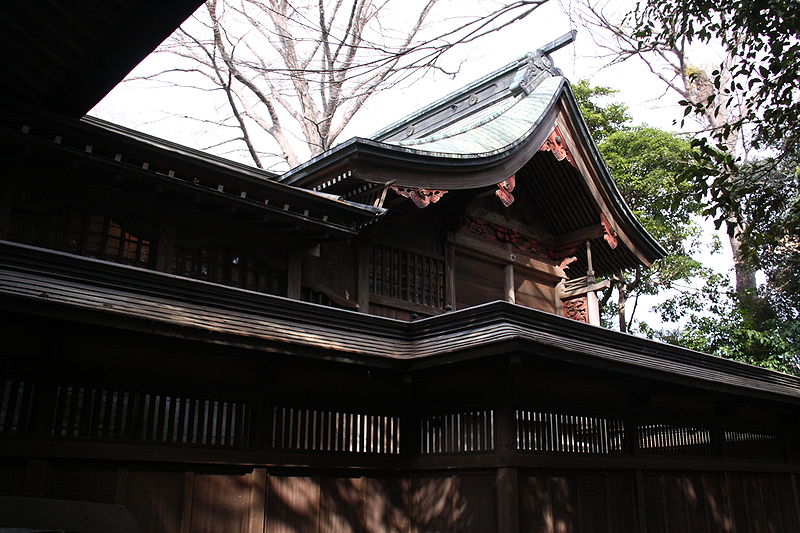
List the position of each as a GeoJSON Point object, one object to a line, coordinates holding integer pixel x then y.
{"type": "Point", "coordinates": [761, 39]}
{"type": "Point", "coordinates": [646, 165]}
{"type": "Point", "coordinates": [602, 120]}
{"type": "Point", "coordinates": [713, 321]}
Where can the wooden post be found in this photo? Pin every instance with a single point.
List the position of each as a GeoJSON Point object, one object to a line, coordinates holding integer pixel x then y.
{"type": "Point", "coordinates": [258, 501]}
{"type": "Point", "coordinates": [364, 253]}
{"type": "Point", "coordinates": [508, 292]}
{"type": "Point", "coordinates": [505, 447]}
{"type": "Point", "coordinates": [295, 274]}
{"type": "Point", "coordinates": [510, 295]}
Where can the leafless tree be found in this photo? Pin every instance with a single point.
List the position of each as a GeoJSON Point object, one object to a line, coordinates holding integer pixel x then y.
{"type": "Point", "coordinates": [293, 73]}
{"type": "Point", "coordinates": [669, 60]}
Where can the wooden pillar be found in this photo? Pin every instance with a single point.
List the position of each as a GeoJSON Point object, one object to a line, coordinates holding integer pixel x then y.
{"type": "Point", "coordinates": [294, 274]}
{"type": "Point", "coordinates": [510, 295]}
{"type": "Point", "coordinates": [409, 422]}
{"type": "Point", "coordinates": [364, 256]}
{"type": "Point", "coordinates": [505, 447]}
{"type": "Point", "coordinates": [508, 290]}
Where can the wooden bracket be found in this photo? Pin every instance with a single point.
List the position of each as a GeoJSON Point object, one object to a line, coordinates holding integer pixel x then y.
{"type": "Point", "coordinates": [504, 189]}
{"type": "Point", "coordinates": [609, 233]}
{"type": "Point", "coordinates": [421, 197]}
{"type": "Point", "coordinates": [555, 144]}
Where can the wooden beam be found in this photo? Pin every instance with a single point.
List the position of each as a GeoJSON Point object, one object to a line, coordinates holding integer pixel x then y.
{"type": "Point", "coordinates": [595, 231]}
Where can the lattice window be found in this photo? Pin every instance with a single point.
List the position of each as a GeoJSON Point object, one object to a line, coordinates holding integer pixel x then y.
{"type": "Point", "coordinates": [97, 413]}
{"type": "Point", "coordinates": [407, 275]}
{"type": "Point", "coordinates": [322, 430]}
{"type": "Point", "coordinates": [16, 400]}
{"type": "Point", "coordinates": [228, 265]}
{"type": "Point", "coordinates": [80, 232]}
{"type": "Point", "coordinates": [750, 445]}
{"type": "Point", "coordinates": [564, 433]}
{"type": "Point", "coordinates": [471, 431]}
{"type": "Point", "coordinates": [664, 439]}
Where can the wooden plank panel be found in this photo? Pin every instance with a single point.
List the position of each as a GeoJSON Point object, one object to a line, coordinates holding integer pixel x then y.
{"type": "Point", "coordinates": [155, 499]}
{"type": "Point", "coordinates": [592, 508]}
{"type": "Point", "coordinates": [12, 477]}
{"type": "Point", "coordinates": [477, 281]}
{"type": "Point", "coordinates": [677, 504]}
{"type": "Point", "coordinates": [342, 505]}
{"type": "Point", "coordinates": [717, 511]}
{"type": "Point", "coordinates": [66, 481]}
{"type": "Point", "coordinates": [385, 505]}
{"type": "Point", "coordinates": [292, 504]}
{"type": "Point", "coordinates": [220, 503]}
{"type": "Point", "coordinates": [479, 510]}
{"type": "Point", "coordinates": [655, 511]}
{"type": "Point", "coordinates": [535, 514]}
{"type": "Point", "coordinates": [433, 500]}
{"type": "Point", "coordinates": [620, 502]}
{"type": "Point", "coordinates": [564, 495]}
{"type": "Point", "coordinates": [778, 503]}
{"type": "Point", "coordinates": [532, 293]}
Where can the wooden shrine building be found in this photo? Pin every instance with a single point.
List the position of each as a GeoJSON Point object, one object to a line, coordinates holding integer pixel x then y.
{"type": "Point", "coordinates": [398, 336]}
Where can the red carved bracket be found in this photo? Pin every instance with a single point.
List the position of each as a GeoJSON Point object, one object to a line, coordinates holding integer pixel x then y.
{"type": "Point", "coordinates": [504, 189]}
{"type": "Point", "coordinates": [556, 145]}
{"type": "Point", "coordinates": [577, 309]}
{"type": "Point", "coordinates": [609, 233]}
{"type": "Point", "coordinates": [566, 262]}
{"type": "Point", "coordinates": [421, 197]}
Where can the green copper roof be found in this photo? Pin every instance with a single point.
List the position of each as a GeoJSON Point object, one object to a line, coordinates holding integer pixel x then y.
{"type": "Point", "coordinates": [493, 129]}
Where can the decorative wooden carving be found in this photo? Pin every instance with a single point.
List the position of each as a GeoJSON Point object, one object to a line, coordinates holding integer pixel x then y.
{"type": "Point", "coordinates": [609, 233]}
{"type": "Point", "coordinates": [577, 309]}
{"type": "Point", "coordinates": [421, 197]}
{"type": "Point", "coordinates": [555, 144]}
{"type": "Point", "coordinates": [567, 261]}
{"type": "Point", "coordinates": [504, 189]}
{"type": "Point", "coordinates": [520, 242]}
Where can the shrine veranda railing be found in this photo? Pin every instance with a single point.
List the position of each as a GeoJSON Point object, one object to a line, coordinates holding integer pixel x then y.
{"type": "Point", "coordinates": [115, 415]}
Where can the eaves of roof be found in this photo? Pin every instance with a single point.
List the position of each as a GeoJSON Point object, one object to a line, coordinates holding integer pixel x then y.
{"type": "Point", "coordinates": [45, 282]}
{"type": "Point", "coordinates": [121, 149]}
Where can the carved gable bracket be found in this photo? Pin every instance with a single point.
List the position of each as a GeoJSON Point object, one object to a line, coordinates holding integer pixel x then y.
{"type": "Point", "coordinates": [577, 308]}
{"type": "Point", "coordinates": [504, 189]}
{"type": "Point", "coordinates": [556, 145]}
{"type": "Point", "coordinates": [421, 197]}
{"type": "Point", "coordinates": [609, 233]}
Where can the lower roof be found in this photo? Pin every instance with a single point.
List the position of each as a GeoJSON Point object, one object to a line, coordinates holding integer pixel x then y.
{"type": "Point", "coordinates": [45, 282]}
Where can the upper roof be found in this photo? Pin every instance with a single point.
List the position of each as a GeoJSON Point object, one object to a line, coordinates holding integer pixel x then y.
{"type": "Point", "coordinates": [491, 129]}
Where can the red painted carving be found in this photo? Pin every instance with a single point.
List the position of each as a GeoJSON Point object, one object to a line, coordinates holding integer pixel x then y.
{"type": "Point", "coordinates": [420, 197]}
{"type": "Point", "coordinates": [609, 233]}
{"type": "Point", "coordinates": [566, 262]}
{"type": "Point", "coordinates": [577, 309]}
{"type": "Point", "coordinates": [520, 242]}
{"type": "Point", "coordinates": [556, 145]}
{"type": "Point", "coordinates": [504, 189]}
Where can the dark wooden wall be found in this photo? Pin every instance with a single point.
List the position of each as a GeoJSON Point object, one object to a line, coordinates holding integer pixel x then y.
{"type": "Point", "coordinates": [248, 499]}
